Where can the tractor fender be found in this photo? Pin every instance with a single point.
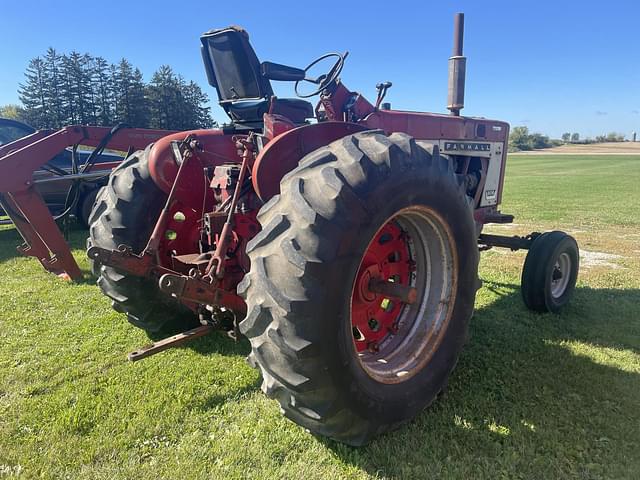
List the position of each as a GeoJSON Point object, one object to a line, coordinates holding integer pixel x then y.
{"type": "Point", "coordinates": [217, 148]}
{"type": "Point", "coordinates": [282, 154]}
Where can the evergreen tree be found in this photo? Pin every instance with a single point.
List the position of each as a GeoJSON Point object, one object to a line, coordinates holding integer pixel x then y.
{"type": "Point", "coordinates": [196, 102]}
{"type": "Point", "coordinates": [175, 104]}
{"type": "Point", "coordinates": [131, 104]}
{"type": "Point", "coordinates": [79, 95]}
{"type": "Point", "coordinates": [104, 91]}
{"type": "Point", "coordinates": [33, 94]}
{"type": "Point", "coordinates": [113, 93]}
{"type": "Point", "coordinates": [53, 87]}
{"type": "Point", "coordinates": [89, 88]}
{"type": "Point", "coordinates": [139, 109]}
{"type": "Point", "coordinates": [162, 93]}
{"type": "Point", "coordinates": [72, 102]}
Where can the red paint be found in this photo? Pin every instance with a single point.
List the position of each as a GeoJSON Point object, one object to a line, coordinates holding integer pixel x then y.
{"type": "Point", "coordinates": [387, 258]}
{"type": "Point", "coordinates": [283, 153]}
{"type": "Point", "coordinates": [217, 148]}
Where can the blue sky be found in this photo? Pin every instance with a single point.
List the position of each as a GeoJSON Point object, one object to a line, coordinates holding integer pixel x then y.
{"type": "Point", "coordinates": [554, 66]}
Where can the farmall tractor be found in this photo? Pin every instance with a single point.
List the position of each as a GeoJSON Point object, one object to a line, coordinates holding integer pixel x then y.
{"type": "Point", "coordinates": [342, 240]}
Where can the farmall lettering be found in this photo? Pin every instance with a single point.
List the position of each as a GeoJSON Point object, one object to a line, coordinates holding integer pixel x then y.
{"type": "Point", "coordinates": [467, 147]}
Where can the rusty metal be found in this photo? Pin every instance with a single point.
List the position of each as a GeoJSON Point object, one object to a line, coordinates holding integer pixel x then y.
{"type": "Point", "coordinates": [404, 293]}
{"type": "Point", "coordinates": [458, 34]}
{"type": "Point", "coordinates": [200, 290]}
{"type": "Point", "coordinates": [124, 260]}
{"type": "Point", "coordinates": [457, 68]}
{"type": "Point", "coordinates": [170, 342]}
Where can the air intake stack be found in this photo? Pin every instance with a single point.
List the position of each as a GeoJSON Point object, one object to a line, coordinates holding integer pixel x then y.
{"type": "Point", "coordinates": [457, 68]}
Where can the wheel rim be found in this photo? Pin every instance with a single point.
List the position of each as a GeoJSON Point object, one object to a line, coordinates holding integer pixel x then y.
{"type": "Point", "coordinates": [560, 275]}
{"type": "Point", "coordinates": [403, 295]}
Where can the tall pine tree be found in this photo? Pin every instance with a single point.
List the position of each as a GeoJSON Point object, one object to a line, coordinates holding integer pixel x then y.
{"type": "Point", "coordinates": [197, 101]}
{"type": "Point", "coordinates": [53, 87]}
{"type": "Point", "coordinates": [131, 105]}
{"type": "Point", "coordinates": [162, 93]}
{"type": "Point", "coordinates": [104, 92]}
{"type": "Point", "coordinates": [33, 95]}
{"type": "Point", "coordinates": [175, 104]}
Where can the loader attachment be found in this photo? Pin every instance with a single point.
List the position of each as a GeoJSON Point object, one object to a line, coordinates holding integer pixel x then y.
{"type": "Point", "coordinates": [23, 204]}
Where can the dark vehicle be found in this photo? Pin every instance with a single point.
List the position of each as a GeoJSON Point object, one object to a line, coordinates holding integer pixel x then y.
{"type": "Point", "coordinates": [11, 130]}
{"type": "Point", "coordinates": [51, 184]}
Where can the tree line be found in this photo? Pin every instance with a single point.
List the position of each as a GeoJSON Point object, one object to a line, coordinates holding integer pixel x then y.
{"type": "Point", "coordinates": [609, 137]}
{"type": "Point", "coordinates": [521, 139]}
{"type": "Point", "coordinates": [74, 88]}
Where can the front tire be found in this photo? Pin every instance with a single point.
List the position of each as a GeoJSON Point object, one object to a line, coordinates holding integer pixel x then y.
{"type": "Point", "coordinates": [550, 272]}
{"type": "Point", "coordinates": [343, 361]}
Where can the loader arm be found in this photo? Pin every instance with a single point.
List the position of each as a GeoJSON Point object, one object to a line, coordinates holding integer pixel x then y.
{"type": "Point", "coordinates": [23, 204]}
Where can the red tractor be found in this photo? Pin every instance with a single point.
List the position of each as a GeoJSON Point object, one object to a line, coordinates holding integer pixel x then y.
{"type": "Point", "coordinates": [342, 240]}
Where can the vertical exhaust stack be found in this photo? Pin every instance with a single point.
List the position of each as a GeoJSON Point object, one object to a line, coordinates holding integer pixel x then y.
{"type": "Point", "coordinates": [457, 68]}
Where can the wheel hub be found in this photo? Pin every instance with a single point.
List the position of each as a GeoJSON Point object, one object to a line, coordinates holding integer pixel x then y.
{"type": "Point", "coordinates": [560, 275]}
{"type": "Point", "coordinates": [403, 294]}
{"type": "Point", "coordinates": [374, 314]}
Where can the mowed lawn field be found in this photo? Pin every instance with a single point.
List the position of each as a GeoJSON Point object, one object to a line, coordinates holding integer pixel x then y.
{"type": "Point", "coordinates": [533, 396]}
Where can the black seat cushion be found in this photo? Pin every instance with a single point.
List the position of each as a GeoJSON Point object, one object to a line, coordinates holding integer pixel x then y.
{"type": "Point", "coordinates": [252, 111]}
{"type": "Point", "coordinates": [248, 111]}
{"type": "Point", "coordinates": [295, 109]}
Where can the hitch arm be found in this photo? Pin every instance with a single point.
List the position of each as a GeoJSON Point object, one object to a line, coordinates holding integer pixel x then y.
{"type": "Point", "coordinates": [171, 342]}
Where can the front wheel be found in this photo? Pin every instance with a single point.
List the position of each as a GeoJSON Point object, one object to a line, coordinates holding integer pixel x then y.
{"type": "Point", "coordinates": [362, 285]}
{"type": "Point", "coordinates": [550, 272]}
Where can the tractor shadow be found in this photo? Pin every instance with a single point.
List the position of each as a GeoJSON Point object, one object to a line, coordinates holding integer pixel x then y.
{"type": "Point", "coordinates": [526, 394]}
{"type": "Point", "coordinates": [219, 343]}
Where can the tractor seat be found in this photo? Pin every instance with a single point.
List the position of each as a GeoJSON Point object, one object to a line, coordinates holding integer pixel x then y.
{"type": "Point", "coordinates": [252, 111]}
{"type": "Point", "coordinates": [247, 111]}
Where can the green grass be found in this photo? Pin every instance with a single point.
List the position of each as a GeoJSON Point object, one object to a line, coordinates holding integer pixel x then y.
{"type": "Point", "coordinates": [533, 396]}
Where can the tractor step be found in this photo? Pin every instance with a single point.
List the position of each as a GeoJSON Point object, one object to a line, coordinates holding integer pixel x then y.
{"type": "Point", "coordinates": [170, 342]}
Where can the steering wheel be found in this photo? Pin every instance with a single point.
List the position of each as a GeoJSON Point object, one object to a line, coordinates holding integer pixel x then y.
{"type": "Point", "coordinates": [326, 79]}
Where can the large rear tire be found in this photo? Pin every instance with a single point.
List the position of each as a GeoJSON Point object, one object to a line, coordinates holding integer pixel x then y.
{"type": "Point", "coordinates": [125, 212]}
{"type": "Point", "coordinates": [343, 361]}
